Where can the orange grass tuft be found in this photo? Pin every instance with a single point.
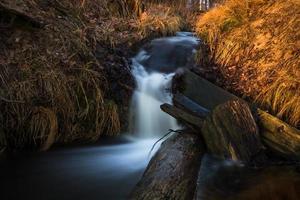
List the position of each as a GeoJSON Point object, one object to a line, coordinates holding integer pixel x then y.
{"type": "Point", "coordinates": [256, 45]}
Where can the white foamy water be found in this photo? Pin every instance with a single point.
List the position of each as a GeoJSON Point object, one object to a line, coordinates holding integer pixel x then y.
{"type": "Point", "coordinates": [153, 89]}
{"type": "Point", "coordinates": [96, 171]}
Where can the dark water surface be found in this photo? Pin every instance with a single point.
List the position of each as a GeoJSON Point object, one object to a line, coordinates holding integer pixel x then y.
{"type": "Point", "coordinates": [104, 171]}
{"type": "Point", "coordinates": [108, 170]}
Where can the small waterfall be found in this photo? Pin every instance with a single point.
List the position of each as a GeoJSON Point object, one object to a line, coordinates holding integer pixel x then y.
{"type": "Point", "coordinates": [153, 89]}
{"type": "Point", "coordinates": [153, 69]}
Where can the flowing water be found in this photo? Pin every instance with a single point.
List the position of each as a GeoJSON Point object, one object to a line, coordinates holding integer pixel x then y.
{"type": "Point", "coordinates": [148, 120]}
{"type": "Point", "coordinates": [110, 169]}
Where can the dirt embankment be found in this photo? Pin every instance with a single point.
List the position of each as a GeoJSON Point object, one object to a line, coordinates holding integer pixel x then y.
{"type": "Point", "coordinates": [255, 46]}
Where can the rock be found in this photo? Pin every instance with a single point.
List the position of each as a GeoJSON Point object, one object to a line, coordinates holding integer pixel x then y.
{"type": "Point", "coordinates": [172, 172]}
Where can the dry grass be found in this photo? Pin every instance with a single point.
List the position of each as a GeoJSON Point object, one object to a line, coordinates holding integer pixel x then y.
{"type": "Point", "coordinates": [159, 20]}
{"type": "Point", "coordinates": [256, 46]}
{"type": "Point", "coordinates": [165, 17]}
{"type": "Point", "coordinates": [52, 87]}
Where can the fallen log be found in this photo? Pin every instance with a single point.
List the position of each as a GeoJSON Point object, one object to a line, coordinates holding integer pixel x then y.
{"type": "Point", "coordinates": [189, 119]}
{"type": "Point", "coordinates": [203, 92]}
{"type": "Point", "coordinates": [186, 111]}
{"type": "Point", "coordinates": [172, 172]}
{"type": "Point", "coordinates": [279, 136]}
{"type": "Point", "coordinates": [210, 96]}
{"type": "Point", "coordinates": [189, 106]}
{"type": "Point", "coordinates": [230, 132]}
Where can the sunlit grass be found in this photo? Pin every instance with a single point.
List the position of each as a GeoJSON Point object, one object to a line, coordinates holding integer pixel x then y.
{"type": "Point", "coordinates": [52, 87]}
{"type": "Point", "coordinates": [159, 20]}
{"type": "Point", "coordinates": [254, 42]}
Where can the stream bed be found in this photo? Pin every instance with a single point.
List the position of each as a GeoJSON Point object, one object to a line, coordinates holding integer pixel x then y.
{"type": "Point", "coordinates": [111, 168]}
{"type": "Point", "coordinates": [107, 170]}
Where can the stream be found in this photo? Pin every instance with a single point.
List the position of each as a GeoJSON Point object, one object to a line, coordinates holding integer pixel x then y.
{"type": "Point", "coordinates": [111, 168]}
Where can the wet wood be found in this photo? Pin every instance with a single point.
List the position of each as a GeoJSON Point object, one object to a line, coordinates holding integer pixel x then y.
{"type": "Point", "coordinates": [231, 132]}
{"type": "Point", "coordinates": [183, 116]}
{"type": "Point", "coordinates": [279, 136]}
{"type": "Point", "coordinates": [204, 92]}
{"type": "Point", "coordinates": [276, 134]}
{"type": "Point", "coordinates": [189, 105]}
{"type": "Point", "coordinates": [172, 172]}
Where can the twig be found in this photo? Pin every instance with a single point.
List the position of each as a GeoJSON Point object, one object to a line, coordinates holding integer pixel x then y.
{"type": "Point", "coordinates": [170, 131]}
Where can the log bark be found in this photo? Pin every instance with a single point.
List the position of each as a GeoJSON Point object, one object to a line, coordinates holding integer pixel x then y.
{"type": "Point", "coordinates": [204, 92]}
{"type": "Point", "coordinates": [279, 136]}
{"type": "Point", "coordinates": [189, 119]}
{"type": "Point", "coordinates": [231, 132]}
{"type": "Point", "coordinates": [172, 172]}
{"type": "Point", "coordinates": [189, 106]}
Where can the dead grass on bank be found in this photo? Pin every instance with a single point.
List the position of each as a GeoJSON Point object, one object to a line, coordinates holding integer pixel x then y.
{"type": "Point", "coordinates": [159, 20]}
{"type": "Point", "coordinates": [256, 45]}
{"type": "Point", "coordinates": [166, 17]}
{"type": "Point", "coordinates": [52, 87]}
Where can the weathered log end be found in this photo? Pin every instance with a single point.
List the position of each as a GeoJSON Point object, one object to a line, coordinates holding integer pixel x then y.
{"type": "Point", "coordinates": [231, 132]}
{"type": "Point", "coordinates": [172, 172]}
{"type": "Point", "coordinates": [278, 136]}
{"type": "Point", "coordinates": [189, 119]}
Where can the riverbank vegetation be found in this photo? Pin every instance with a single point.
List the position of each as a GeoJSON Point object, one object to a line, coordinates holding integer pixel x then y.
{"type": "Point", "coordinates": [64, 71]}
{"type": "Point", "coordinates": [255, 46]}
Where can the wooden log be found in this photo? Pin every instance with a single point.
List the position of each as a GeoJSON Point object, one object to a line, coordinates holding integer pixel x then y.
{"type": "Point", "coordinates": [209, 96]}
{"type": "Point", "coordinates": [204, 92]}
{"type": "Point", "coordinates": [187, 118]}
{"type": "Point", "coordinates": [172, 172]}
{"type": "Point", "coordinates": [279, 136]}
{"type": "Point", "coordinates": [231, 132]}
{"type": "Point", "coordinates": [189, 105]}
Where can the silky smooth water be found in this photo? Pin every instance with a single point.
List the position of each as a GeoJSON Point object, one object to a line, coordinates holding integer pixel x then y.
{"type": "Point", "coordinates": [110, 169]}
{"type": "Point", "coordinates": [153, 89]}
